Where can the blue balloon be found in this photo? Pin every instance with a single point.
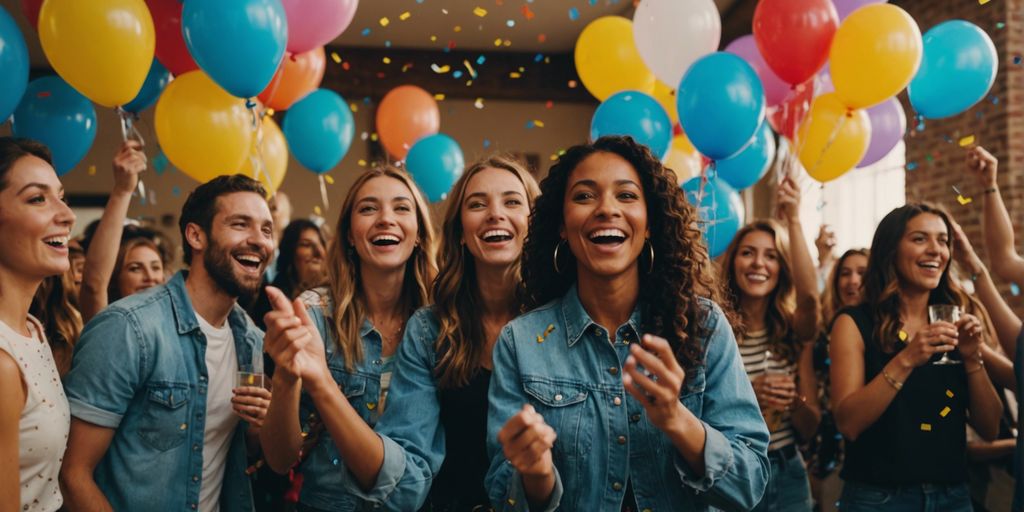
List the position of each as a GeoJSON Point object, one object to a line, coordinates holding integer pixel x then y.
{"type": "Point", "coordinates": [54, 113]}
{"type": "Point", "coordinates": [239, 43]}
{"type": "Point", "coordinates": [747, 168]}
{"type": "Point", "coordinates": [958, 69]}
{"type": "Point", "coordinates": [435, 162]}
{"type": "Point", "coordinates": [13, 65]}
{"type": "Point", "coordinates": [637, 115]}
{"type": "Point", "coordinates": [319, 130]}
{"type": "Point", "coordinates": [156, 80]}
{"type": "Point", "coordinates": [721, 105]}
{"type": "Point", "coordinates": [720, 209]}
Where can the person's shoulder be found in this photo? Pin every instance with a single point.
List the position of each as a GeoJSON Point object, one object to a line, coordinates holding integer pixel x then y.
{"type": "Point", "coordinates": [319, 297]}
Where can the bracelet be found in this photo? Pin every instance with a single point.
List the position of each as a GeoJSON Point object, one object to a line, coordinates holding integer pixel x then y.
{"type": "Point", "coordinates": [976, 369]}
{"type": "Point", "coordinates": [897, 385]}
{"type": "Point", "coordinates": [978, 359]}
{"type": "Point", "coordinates": [991, 190]}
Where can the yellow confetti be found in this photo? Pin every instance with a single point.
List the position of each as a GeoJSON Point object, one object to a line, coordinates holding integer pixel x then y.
{"type": "Point", "coordinates": [387, 60]}
{"type": "Point", "coordinates": [479, 103]}
{"type": "Point", "coordinates": [983, 2]}
{"type": "Point", "coordinates": [439, 97]}
{"type": "Point", "coordinates": [335, 57]}
{"type": "Point", "coordinates": [440, 69]}
{"type": "Point", "coordinates": [944, 411]}
{"type": "Point", "coordinates": [316, 210]}
{"type": "Point", "coordinates": [966, 141]}
{"type": "Point", "coordinates": [511, 502]}
{"type": "Point", "coordinates": [433, 39]}
{"type": "Point", "coordinates": [926, 427]}
{"type": "Point", "coordinates": [457, 28]}
{"type": "Point", "coordinates": [371, 405]}
{"type": "Point", "coordinates": [507, 42]}
{"type": "Point", "coordinates": [550, 329]}
{"type": "Point", "coordinates": [903, 335]}
{"type": "Point", "coordinates": [373, 136]}
{"type": "Point", "coordinates": [514, 74]}
{"type": "Point", "coordinates": [480, 11]}
{"type": "Point", "coordinates": [328, 179]}
{"type": "Point", "coordinates": [354, 107]}
{"type": "Point", "coordinates": [949, 393]}
{"type": "Point", "coordinates": [469, 67]}
{"type": "Point", "coordinates": [384, 21]}
{"type": "Point", "coordinates": [92, 170]}
{"type": "Point", "coordinates": [540, 339]}
{"type": "Point", "coordinates": [405, 15]}
{"type": "Point", "coordinates": [361, 162]}
{"type": "Point", "coordinates": [538, 123]}
{"type": "Point", "coordinates": [270, 112]}
{"type": "Point", "coordinates": [497, 42]}
{"type": "Point", "coordinates": [964, 201]}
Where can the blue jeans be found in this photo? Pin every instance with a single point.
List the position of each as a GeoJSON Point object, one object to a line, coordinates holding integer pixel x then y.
{"type": "Point", "coordinates": [788, 489]}
{"type": "Point", "coordinates": [858, 497]}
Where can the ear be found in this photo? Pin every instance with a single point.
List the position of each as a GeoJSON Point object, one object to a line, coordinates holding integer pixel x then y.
{"type": "Point", "coordinates": [195, 237]}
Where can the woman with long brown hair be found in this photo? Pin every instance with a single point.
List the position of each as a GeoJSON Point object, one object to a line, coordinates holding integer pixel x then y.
{"type": "Point", "coordinates": [902, 411]}
{"type": "Point", "coordinates": [334, 362]}
{"type": "Point", "coordinates": [625, 359]}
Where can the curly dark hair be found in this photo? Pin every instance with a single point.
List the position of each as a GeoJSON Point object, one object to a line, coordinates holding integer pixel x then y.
{"type": "Point", "coordinates": [682, 272]}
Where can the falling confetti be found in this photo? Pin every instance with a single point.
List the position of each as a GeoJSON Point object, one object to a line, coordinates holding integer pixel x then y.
{"type": "Point", "coordinates": [479, 103]}
{"type": "Point", "coordinates": [949, 393]}
{"type": "Point", "coordinates": [328, 179]}
{"type": "Point", "coordinates": [944, 411]}
{"type": "Point", "coordinates": [480, 11]}
{"type": "Point", "coordinates": [497, 42]}
{"type": "Point", "coordinates": [549, 104]}
{"type": "Point", "coordinates": [983, 2]}
{"type": "Point", "coordinates": [1000, 25]}
{"type": "Point", "coordinates": [439, 96]}
{"type": "Point", "coordinates": [514, 74]}
{"type": "Point", "coordinates": [405, 15]}
{"type": "Point", "coordinates": [365, 32]}
{"type": "Point", "coordinates": [1017, 59]}
{"type": "Point", "coordinates": [354, 107]}
{"type": "Point", "coordinates": [527, 13]}
{"type": "Point", "coordinates": [911, 166]}
{"type": "Point", "coordinates": [480, 60]}
{"type": "Point", "coordinates": [361, 162]}
{"type": "Point", "coordinates": [572, 84]}
{"type": "Point", "coordinates": [574, 13]}
{"type": "Point", "coordinates": [386, 60]}
{"type": "Point", "coordinates": [469, 67]}
{"type": "Point", "coordinates": [316, 210]}
{"type": "Point", "coordinates": [926, 427]}
{"type": "Point", "coordinates": [384, 21]}
{"type": "Point", "coordinates": [1014, 289]}
{"type": "Point", "coordinates": [903, 335]}
{"type": "Point", "coordinates": [487, 143]}
{"type": "Point", "coordinates": [440, 69]}
{"type": "Point", "coordinates": [335, 57]}
{"type": "Point", "coordinates": [964, 201]}
{"type": "Point", "coordinates": [92, 170]}
{"type": "Point", "coordinates": [541, 38]}
{"type": "Point", "coordinates": [966, 141]}
{"type": "Point", "coordinates": [510, 23]}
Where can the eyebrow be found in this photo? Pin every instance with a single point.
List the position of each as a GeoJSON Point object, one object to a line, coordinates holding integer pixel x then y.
{"type": "Point", "coordinates": [44, 187]}
{"type": "Point", "coordinates": [373, 199]}
{"type": "Point", "coordinates": [482, 194]}
{"type": "Point", "coordinates": [592, 183]}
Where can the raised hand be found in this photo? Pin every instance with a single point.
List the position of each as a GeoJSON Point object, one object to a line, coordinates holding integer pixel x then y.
{"type": "Point", "coordinates": [658, 388]}
{"type": "Point", "coordinates": [129, 162]}
{"type": "Point", "coordinates": [932, 339]}
{"type": "Point", "coordinates": [788, 199]}
{"type": "Point", "coordinates": [983, 166]}
{"type": "Point", "coordinates": [293, 341]}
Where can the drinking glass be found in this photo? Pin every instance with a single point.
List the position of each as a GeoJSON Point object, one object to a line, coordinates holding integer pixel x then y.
{"type": "Point", "coordinates": [944, 313]}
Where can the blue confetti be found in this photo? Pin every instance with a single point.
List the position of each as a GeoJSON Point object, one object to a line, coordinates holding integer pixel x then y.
{"type": "Point", "coordinates": [911, 166]}
{"type": "Point", "coordinates": [1016, 59]}
{"type": "Point", "coordinates": [995, 100]}
{"type": "Point", "coordinates": [175, 191]}
{"type": "Point", "coordinates": [487, 143]}
{"type": "Point", "coordinates": [510, 23]}
{"type": "Point", "coordinates": [387, 44]}
{"type": "Point", "coordinates": [419, 1]}
{"type": "Point", "coordinates": [593, 2]}
{"type": "Point", "coordinates": [539, 57]}
{"type": "Point", "coordinates": [366, 31]}
{"type": "Point", "coordinates": [366, 100]}
{"type": "Point", "coordinates": [574, 13]}
{"type": "Point", "coordinates": [457, 74]}
{"type": "Point", "coordinates": [480, 60]}
{"type": "Point", "coordinates": [1014, 289]}
{"type": "Point", "coordinates": [529, 125]}
{"type": "Point", "coordinates": [160, 163]}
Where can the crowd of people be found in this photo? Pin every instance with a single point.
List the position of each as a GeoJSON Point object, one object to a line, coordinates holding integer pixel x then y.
{"type": "Point", "coordinates": [564, 345]}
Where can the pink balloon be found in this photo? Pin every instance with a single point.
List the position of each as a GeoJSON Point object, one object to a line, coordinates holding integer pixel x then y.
{"type": "Point", "coordinates": [775, 90]}
{"type": "Point", "coordinates": [845, 7]}
{"type": "Point", "coordinates": [314, 23]}
{"type": "Point", "coordinates": [888, 124]}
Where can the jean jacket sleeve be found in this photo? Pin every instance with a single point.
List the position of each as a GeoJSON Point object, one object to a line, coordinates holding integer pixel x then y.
{"type": "Point", "coordinates": [411, 426]}
{"type": "Point", "coordinates": [736, 446]}
{"type": "Point", "coordinates": [107, 367]}
{"type": "Point", "coordinates": [506, 397]}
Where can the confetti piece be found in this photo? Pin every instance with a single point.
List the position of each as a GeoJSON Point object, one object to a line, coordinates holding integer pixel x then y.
{"type": "Point", "coordinates": [406, 66]}
{"type": "Point", "coordinates": [316, 210]}
{"type": "Point", "coordinates": [1014, 289]}
{"type": "Point", "coordinates": [510, 23]}
{"type": "Point", "coordinates": [469, 67]}
{"type": "Point", "coordinates": [386, 60]}
{"type": "Point", "coordinates": [345, 66]}
{"type": "Point", "coordinates": [1000, 25]}
{"type": "Point", "coordinates": [487, 143]}
{"type": "Point", "coordinates": [539, 57]}
{"type": "Point", "coordinates": [911, 166]}
{"type": "Point", "coordinates": [439, 96]}
{"type": "Point", "coordinates": [160, 163]}
{"type": "Point", "coordinates": [92, 170]}
{"type": "Point", "coordinates": [479, 103]}
{"type": "Point", "coordinates": [497, 42]}
{"type": "Point", "coordinates": [538, 124]}
{"type": "Point", "coordinates": [966, 141]}
{"type": "Point", "coordinates": [440, 69]}
{"type": "Point", "coordinates": [328, 179]}
{"type": "Point", "coordinates": [365, 32]}
{"type": "Point", "coordinates": [964, 201]}
{"type": "Point", "coordinates": [444, 11]}
{"type": "Point", "coordinates": [542, 38]}
{"type": "Point", "coordinates": [457, 74]}
{"type": "Point", "coordinates": [354, 107]}
{"type": "Point", "coordinates": [926, 427]}
{"type": "Point", "coordinates": [335, 57]}
{"type": "Point", "coordinates": [384, 21]}
{"type": "Point", "coordinates": [574, 13]}
{"type": "Point", "coordinates": [373, 136]}
{"type": "Point", "coordinates": [540, 339]}
{"type": "Point", "coordinates": [371, 405]}
{"type": "Point", "coordinates": [361, 162]}
{"type": "Point", "coordinates": [549, 104]}
{"type": "Point", "coordinates": [175, 191]}
{"type": "Point", "coordinates": [1017, 59]}
{"type": "Point", "coordinates": [514, 74]}
{"type": "Point", "coordinates": [480, 11]}
{"type": "Point", "coordinates": [480, 60]}
{"type": "Point", "coordinates": [983, 2]}
{"type": "Point", "coordinates": [903, 335]}
{"type": "Point", "coordinates": [944, 411]}
{"type": "Point", "coordinates": [527, 13]}
{"type": "Point", "coordinates": [457, 29]}
{"type": "Point", "coordinates": [404, 16]}
{"type": "Point", "coordinates": [949, 393]}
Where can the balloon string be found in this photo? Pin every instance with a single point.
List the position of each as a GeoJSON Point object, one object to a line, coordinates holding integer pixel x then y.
{"type": "Point", "coordinates": [130, 132]}
{"type": "Point", "coordinates": [323, 192]}
{"type": "Point", "coordinates": [256, 157]}
{"type": "Point", "coordinates": [831, 140]}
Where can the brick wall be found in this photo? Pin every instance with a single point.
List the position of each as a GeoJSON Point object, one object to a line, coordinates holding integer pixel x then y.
{"type": "Point", "coordinates": [935, 160]}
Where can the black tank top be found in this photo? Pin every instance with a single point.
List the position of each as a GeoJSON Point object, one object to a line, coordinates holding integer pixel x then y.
{"type": "Point", "coordinates": [917, 440]}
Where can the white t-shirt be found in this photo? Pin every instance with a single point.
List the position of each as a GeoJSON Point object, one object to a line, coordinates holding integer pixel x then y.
{"type": "Point", "coordinates": [45, 418]}
{"type": "Point", "coordinates": [221, 366]}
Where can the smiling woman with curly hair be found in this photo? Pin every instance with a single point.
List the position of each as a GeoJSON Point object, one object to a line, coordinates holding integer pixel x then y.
{"type": "Point", "coordinates": [620, 376]}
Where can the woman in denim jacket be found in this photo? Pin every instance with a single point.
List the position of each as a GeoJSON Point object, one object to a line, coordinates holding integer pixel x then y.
{"type": "Point", "coordinates": [338, 354]}
{"type": "Point", "coordinates": [635, 396]}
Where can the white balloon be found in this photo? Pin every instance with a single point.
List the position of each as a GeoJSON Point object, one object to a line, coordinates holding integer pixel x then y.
{"type": "Point", "coordinates": [672, 34]}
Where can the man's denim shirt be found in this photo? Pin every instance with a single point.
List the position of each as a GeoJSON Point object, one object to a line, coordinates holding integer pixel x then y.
{"type": "Point", "coordinates": [327, 484]}
{"type": "Point", "coordinates": [557, 359]}
{"type": "Point", "coordinates": [140, 368]}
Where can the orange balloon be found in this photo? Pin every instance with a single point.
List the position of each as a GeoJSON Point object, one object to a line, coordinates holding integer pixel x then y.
{"type": "Point", "coordinates": [405, 115]}
{"type": "Point", "coordinates": [297, 76]}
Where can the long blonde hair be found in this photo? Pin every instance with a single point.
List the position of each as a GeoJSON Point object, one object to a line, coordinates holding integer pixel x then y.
{"type": "Point", "coordinates": [457, 304]}
{"type": "Point", "coordinates": [781, 310]}
{"type": "Point", "coordinates": [344, 283]}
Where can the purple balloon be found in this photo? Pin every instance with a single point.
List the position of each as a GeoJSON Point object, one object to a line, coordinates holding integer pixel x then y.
{"type": "Point", "coordinates": [775, 90]}
{"type": "Point", "coordinates": [823, 82]}
{"type": "Point", "coordinates": [888, 124]}
{"type": "Point", "coordinates": [845, 7]}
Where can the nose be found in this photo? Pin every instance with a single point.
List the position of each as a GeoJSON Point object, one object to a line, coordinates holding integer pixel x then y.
{"type": "Point", "coordinates": [147, 275]}
{"type": "Point", "coordinates": [65, 215]}
{"type": "Point", "coordinates": [495, 212]}
{"type": "Point", "coordinates": [607, 206]}
{"type": "Point", "coordinates": [318, 251]}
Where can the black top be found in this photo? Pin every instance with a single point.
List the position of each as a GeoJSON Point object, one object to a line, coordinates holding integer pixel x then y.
{"type": "Point", "coordinates": [459, 486]}
{"type": "Point", "coordinates": [912, 442]}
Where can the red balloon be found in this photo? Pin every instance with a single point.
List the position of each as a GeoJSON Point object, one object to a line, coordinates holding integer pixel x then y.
{"type": "Point", "coordinates": [170, 44]}
{"type": "Point", "coordinates": [786, 117]}
{"type": "Point", "coordinates": [795, 36]}
{"type": "Point", "coordinates": [297, 76]}
{"type": "Point", "coordinates": [31, 10]}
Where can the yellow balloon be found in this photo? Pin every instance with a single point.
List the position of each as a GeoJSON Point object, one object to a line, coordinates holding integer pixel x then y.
{"type": "Point", "coordinates": [875, 55]}
{"type": "Point", "coordinates": [203, 130]}
{"type": "Point", "coordinates": [667, 97]}
{"type": "Point", "coordinates": [607, 59]}
{"type": "Point", "coordinates": [832, 138]}
{"type": "Point", "coordinates": [683, 159]}
{"type": "Point", "coordinates": [103, 48]}
{"type": "Point", "coordinates": [274, 151]}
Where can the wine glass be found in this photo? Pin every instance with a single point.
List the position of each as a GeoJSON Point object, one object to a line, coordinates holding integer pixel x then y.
{"type": "Point", "coordinates": [944, 313]}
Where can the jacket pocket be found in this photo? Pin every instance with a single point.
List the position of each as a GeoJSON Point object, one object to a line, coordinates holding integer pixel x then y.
{"type": "Point", "coordinates": [563, 405]}
{"type": "Point", "coordinates": [164, 423]}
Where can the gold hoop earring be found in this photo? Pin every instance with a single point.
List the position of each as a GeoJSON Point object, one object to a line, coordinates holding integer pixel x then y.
{"type": "Point", "coordinates": [650, 251]}
{"type": "Point", "coordinates": [557, 246]}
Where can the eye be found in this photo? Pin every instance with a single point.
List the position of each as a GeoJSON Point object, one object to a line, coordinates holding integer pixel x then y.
{"type": "Point", "coordinates": [367, 209]}
{"type": "Point", "coordinates": [582, 196]}
{"type": "Point", "coordinates": [403, 208]}
{"type": "Point", "coordinates": [37, 199]}
{"type": "Point", "coordinates": [513, 202]}
{"type": "Point", "coordinates": [628, 196]}
{"type": "Point", "coordinates": [475, 205]}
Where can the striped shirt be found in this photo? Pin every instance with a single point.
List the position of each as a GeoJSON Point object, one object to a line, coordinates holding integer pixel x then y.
{"type": "Point", "coordinates": [757, 358]}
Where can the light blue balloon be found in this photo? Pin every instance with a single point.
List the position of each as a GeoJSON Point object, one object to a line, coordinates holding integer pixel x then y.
{"type": "Point", "coordinates": [747, 168]}
{"type": "Point", "coordinates": [156, 80]}
{"type": "Point", "coordinates": [13, 65]}
{"type": "Point", "coordinates": [54, 113]}
{"type": "Point", "coordinates": [721, 105]}
{"type": "Point", "coordinates": [319, 129]}
{"type": "Point", "coordinates": [239, 43]}
{"type": "Point", "coordinates": [435, 162]}
{"type": "Point", "coordinates": [958, 69]}
{"type": "Point", "coordinates": [720, 209]}
{"type": "Point", "coordinates": [635, 114]}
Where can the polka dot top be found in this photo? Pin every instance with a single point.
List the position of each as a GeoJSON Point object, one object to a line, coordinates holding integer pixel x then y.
{"type": "Point", "coordinates": [45, 419]}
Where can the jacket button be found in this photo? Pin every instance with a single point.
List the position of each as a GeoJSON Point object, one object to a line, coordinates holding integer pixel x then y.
{"type": "Point", "coordinates": [195, 478]}
{"type": "Point", "coordinates": [621, 440]}
{"type": "Point", "coordinates": [617, 401]}
{"type": "Point", "coordinates": [558, 397]}
{"type": "Point", "coordinates": [193, 506]}
{"type": "Point", "coordinates": [195, 447]}
{"type": "Point", "coordinates": [634, 418]}
{"type": "Point", "coordinates": [617, 486]}
{"type": "Point", "coordinates": [613, 370]}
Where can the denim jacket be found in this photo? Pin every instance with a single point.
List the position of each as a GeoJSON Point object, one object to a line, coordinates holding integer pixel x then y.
{"type": "Point", "coordinates": [140, 368]}
{"type": "Point", "coordinates": [557, 359]}
{"type": "Point", "coordinates": [327, 484]}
